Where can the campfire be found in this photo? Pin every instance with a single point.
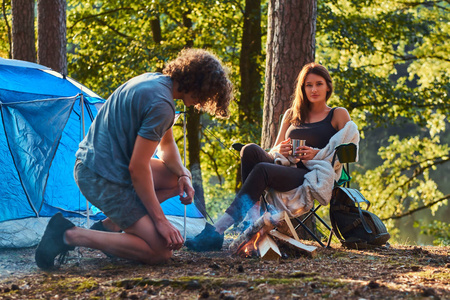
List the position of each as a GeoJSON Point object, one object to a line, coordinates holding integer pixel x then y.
{"type": "Point", "coordinates": [271, 237]}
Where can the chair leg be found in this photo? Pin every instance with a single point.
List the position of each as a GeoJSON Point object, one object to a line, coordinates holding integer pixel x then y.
{"type": "Point", "coordinates": [302, 223]}
{"type": "Point", "coordinates": [313, 212]}
{"type": "Point", "coordinates": [310, 232]}
{"type": "Point", "coordinates": [329, 238]}
{"type": "Point", "coordinates": [323, 222]}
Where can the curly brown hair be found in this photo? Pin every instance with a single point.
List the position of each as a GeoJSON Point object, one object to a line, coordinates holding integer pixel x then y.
{"type": "Point", "coordinates": [200, 72]}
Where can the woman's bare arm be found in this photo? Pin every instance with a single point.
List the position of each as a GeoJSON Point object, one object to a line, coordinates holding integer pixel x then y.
{"type": "Point", "coordinates": [282, 145]}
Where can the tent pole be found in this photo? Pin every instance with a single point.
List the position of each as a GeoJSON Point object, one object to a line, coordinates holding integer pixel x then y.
{"type": "Point", "coordinates": [184, 162]}
{"type": "Point", "coordinates": [84, 134]}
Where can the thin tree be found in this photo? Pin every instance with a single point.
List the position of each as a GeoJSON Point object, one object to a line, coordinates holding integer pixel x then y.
{"type": "Point", "coordinates": [250, 113]}
{"type": "Point", "coordinates": [290, 45]}
{"type": "Point", "coordinates": [249, 64]}
{"type": "Point", "coordinates": [52, 34]}
{"type": "Point", "coordinates": [193, 127]}
{"type": "Point", "coordinates": [23, 45]}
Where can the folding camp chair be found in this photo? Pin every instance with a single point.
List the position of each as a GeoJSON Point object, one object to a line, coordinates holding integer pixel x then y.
{"type": "Point", "coordinates": [346, 153]}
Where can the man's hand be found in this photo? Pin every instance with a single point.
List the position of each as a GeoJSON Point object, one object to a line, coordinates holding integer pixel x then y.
{"type": "Point", "coordinates": [171, 235]}
{"type": "Point", "coordinates": [185, 190]}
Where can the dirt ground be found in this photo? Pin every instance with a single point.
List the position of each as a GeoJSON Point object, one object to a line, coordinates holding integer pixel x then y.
{"type": "Point", "coordinates": [393, 272]}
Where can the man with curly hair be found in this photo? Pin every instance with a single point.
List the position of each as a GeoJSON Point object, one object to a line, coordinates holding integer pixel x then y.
{"type": "Point", "coordinates": [116, 171]}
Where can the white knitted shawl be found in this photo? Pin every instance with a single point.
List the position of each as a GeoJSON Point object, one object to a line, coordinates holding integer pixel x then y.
{"type": "Point", "coordinates": [319, 181]}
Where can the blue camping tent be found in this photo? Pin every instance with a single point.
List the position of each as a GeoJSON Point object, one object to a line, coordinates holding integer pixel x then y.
{"type": "Point", "coordinates": [43, 115]}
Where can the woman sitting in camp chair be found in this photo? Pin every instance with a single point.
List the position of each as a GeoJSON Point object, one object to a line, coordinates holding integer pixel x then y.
{"type": "Point", "coordinates": [298, 175]}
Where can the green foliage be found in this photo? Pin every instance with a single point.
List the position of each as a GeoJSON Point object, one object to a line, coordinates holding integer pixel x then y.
{"type": "Point", "coordinates": [406, 181]}
{"type": "Point", "coordinates": [439, 230]}
{"type": "Point", "coordinates": [367, 47]}
{"type": "Point", "coordinates": [5, 25]}
{"type": "Point", "coordinates": [389, 61]}
{"type": "Point", "coordinates": [113, 41]}
{"type": "Point", "coordinates": [402, 183]}
{"type": "Point", "coordinates": [390, 65]}
{"type": "Point", "coordinates": [219, 175]}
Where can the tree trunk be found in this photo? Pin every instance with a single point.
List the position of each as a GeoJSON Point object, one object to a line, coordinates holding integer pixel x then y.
{"type": "Point", "coordinates": [23, 37]}
{"type": "Point", "coordinates": [194, 144]}
{"type": "Point", "coordinates": [249, 65]}
{"type": "Point", "coordinates": [194, 140]}
{"type": "Point", "coordinates": [52, 34]}
{"type": "Point", "coordinates": [155, 25]}
{"type": "Point", "coordinates": [290, 45]}
{"type": "Point", "coordinates": [250, 102]}
{"type": "Point", "coordinates": [156, 29]}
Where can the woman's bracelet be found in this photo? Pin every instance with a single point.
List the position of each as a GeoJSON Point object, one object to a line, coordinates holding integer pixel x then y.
{"type": "Point", "coordinates": [183, 176]}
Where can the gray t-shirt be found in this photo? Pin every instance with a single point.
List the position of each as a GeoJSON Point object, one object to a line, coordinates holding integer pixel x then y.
{"type": "Point", "coordinates": [142, 106]}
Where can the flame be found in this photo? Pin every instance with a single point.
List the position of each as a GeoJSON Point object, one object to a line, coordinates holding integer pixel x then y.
{"type": "Point", "coordinates": [251, 249]}
{"type": "Point", "coordinates": [256, 239]}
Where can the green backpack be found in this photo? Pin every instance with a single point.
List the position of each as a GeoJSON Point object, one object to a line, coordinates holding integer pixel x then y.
{"type": "Point", "coordinates": [356, 228]}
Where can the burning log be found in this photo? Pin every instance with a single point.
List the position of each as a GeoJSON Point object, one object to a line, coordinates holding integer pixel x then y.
{"type": "Point", "coordinates": [265, 223]}
{"type": "Point", "coordinates": [293, 244]}
{"type": "Point", "coordinates": [262, 245]}
{"type": "Point", "coordinates": [261, 238]}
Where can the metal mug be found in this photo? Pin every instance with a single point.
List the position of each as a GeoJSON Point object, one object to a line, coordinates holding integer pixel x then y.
{"type": "Point", "coordinates": [297, 143]}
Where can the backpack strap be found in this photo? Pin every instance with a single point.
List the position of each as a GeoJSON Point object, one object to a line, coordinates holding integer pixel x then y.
{"type": "Point", "coordinates": [351, 226]}
{"type": "Point", "coordinates": [356, 196]}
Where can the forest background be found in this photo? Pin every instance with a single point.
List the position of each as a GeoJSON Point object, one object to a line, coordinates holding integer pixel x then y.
{"type": "Point", "coordinates": [390, 65]}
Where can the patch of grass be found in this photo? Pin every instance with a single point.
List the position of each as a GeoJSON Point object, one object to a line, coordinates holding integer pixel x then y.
{"type": "Point", "coordinates": [88, 284]}
{"type": "Point", "coordinates": [300, 274]}
{"type": "Point", "coordinates": [333, 283]}
{"type": "Point", "coordinates": [340, 254]}
{"type": "Point", "coordinates": [433, 275]}
{"type": "Point", "coordinates": [289, 281]}
{"type": "Point", "coordinates": [198, 278]}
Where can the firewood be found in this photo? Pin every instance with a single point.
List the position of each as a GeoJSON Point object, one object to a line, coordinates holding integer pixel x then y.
{"type": "Point", "coordinates": [286, 227]}
{"type": "Point", "coordinates": [265, 223]}
{"type": "Point", "coordinates": [292, 243]}
{"type": "Point", "coordinates": [268, 249]}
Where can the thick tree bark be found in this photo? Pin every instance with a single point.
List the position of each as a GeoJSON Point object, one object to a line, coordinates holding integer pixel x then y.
{"type": "Point", "coordinates": [52, 34]}
{"type": "Point", "coordinates": [249, 64]}
{"type": "Point", "coordinates": [290, 45]}
{"type": "Point", "coordinates": [23, 36]}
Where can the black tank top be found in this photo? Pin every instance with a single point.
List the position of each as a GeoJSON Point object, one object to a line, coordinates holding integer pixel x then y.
{"type": "Point", "coordinates": [315, 134]}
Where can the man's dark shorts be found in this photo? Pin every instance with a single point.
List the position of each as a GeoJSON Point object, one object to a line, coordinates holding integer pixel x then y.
{"type": "Point", "coordinates": [119, 202]}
